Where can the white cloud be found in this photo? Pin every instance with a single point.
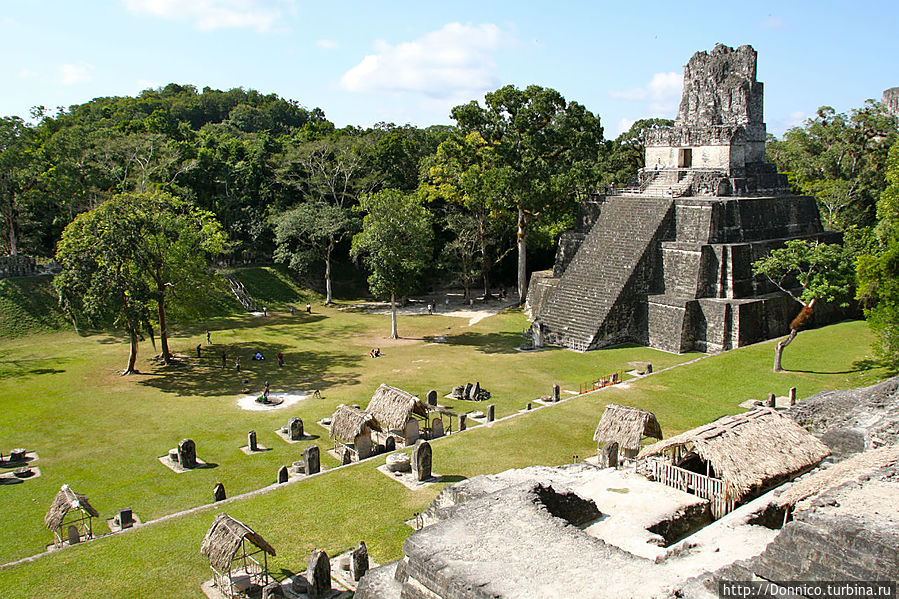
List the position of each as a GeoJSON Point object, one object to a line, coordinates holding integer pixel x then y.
{"type": "Point", "coordinates": [454, 63]}
{"type": "Point", "coordinates": [624, 124]}
{"type": "Point", "coordinates": [216, 14]}
{"type": "Point", "coordinates": [26, 74]}
{"type": "Point", "coordinates": [326, 44]}
{"type": "Point", "coordinates": [75, 73]}
{"type": "Point", "coordinates": [662, 93]}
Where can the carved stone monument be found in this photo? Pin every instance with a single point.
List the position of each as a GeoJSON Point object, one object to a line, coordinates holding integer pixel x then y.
{"type": "Point", "coordinates": [312, 460]}
{"type": "Point", "coordinates": [318, 573]}
{"type": "Point", "coordinates": [295, 429]}
{"type": "Point", "coordinates": [608, 455]}
{"type": "Point", "coordinates": [187, 453]}
{"type": "Point", "coordinates": [282, 475]}
{"type": "Point", "coordinates": [432, 397]}
{"type": "Point", "coordinates": [491, 413]}
{"type": "Point", "coordinates": [421, 461]}
{"type": "Point", "coordinates": [436, 428]}
{"type": "Point", "coordinates": [463, 421]}
{"type": "Point", "coordinates": [218, 492]}
{"type": "Point", "coordinates": [251, 441]}
{"type": "Point", "coordinates": [359, 561]}
{"type": "Point", "coordinates": [390, 444]}
{"type": "Point", "coordinates": [556, 393]}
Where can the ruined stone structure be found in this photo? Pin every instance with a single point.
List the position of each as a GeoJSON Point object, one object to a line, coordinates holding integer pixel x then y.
{"type": "Point", "coordinates": [891, 100]}
{"type": "Point", "coordinates": [668, 263]}
{"type": "Point", "coordinates": [16, 266]}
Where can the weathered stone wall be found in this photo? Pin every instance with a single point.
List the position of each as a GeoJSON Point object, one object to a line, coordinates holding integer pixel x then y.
{"type": "Point", "coordinates": [720, 88]}
{"type": "Point", "coordinates": [540, 286]}
{"type": "Point", "coordinates": [891, 100]}
{"type": "Point", "coordinates": [16, 266]}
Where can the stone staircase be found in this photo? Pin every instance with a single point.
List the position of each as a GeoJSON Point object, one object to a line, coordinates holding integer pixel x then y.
{"type": "Point", "coordinates": [665, 180]}
{"type": "Point", "coordinates": [240, 293]}
{"type": "Point", "coordinates": [596, 287]}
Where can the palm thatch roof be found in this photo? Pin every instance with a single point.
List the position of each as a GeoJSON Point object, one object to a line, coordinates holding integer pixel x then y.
{"type": "Point", "coordinates": [66, 500]}
{"type": "Point", "coordinates": [853, 468]}
{"type": "Point", "coordinates": [348, 422]}
{"type": "Point", "coordinates": [627, 426]}
{"type": "Point", "coordinates": [392, 407]}
{"type": "Point", "coordinates": [223, 539]}
{"type": "Point", "coordinates": [750, 449]}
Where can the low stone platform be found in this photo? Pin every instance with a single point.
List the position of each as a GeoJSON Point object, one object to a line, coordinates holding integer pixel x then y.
{"type": "Point", "coordinates": [6, 462]}
{"type": "Point", "coordinates": [286, 437]}
{"type": "Point", "coordinates": [11, 478]}
{"type": "Point", "coordinates": [408, 480]}
{"type": "Point", "coordinates": [114, 527]}
{"type": "Point", "coordinates": [259, 449]}
{"type": "Point", "coordinates": [178, 468]}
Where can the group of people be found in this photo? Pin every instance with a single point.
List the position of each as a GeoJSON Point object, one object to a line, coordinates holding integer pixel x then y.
{"type": "Point", "coordinates": [375, 353]}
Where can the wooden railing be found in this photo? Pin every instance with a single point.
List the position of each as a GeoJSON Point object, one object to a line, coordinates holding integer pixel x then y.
{"type": "Point", "coordinates": [599, 383]}
{"type": "Point", "coordinates": [713, 489]}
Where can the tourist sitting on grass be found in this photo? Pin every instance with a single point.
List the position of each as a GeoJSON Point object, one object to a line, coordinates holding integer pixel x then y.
{"type": "Point", "coordinates": [258, 356]}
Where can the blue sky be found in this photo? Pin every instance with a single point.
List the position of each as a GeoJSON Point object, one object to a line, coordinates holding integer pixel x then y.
{"type": "Point", "coordinates": [410, 62]}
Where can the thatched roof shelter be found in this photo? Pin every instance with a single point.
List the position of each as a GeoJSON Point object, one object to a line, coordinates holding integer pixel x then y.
{"type": "Point", "coordinates": [858, 466]}
{"type": "Point", "coordinates": [66, 500]}
{"type": "Point", "coordinates": [627, 426]}
{"type": "Point", "coordinates": [748, 450]}
{"type": "Point", "coordinates": [224, 538]}
{"type": "Point", "coordinates": [348, 422]}
{"type": "Point", "coordinates": [392, 407]}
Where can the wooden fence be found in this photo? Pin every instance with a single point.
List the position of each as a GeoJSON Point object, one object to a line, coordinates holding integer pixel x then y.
{"type": "Point", "coordinates": [713, 489]}
{"type": "Point", "coordinates": [599, 383]}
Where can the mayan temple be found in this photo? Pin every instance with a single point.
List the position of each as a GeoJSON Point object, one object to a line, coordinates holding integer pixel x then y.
{"type": "Point", "coordinates": [667, 263]}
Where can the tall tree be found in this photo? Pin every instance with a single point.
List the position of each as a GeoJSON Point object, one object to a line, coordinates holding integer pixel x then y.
{"type": "Point", "coordinates": [395, 244]}
{"type": "Point", "coordinates": [159, 246]}
{"type": "Point", "coordinates": [808, 272]}
{"type": "Point", "coordinates": [309, 233]}
{"type": "Point", "coordinates": [333, 172]}
{"type": "Point", "coordinates": [466, 174]}
{"type": "Point", "coordinates": [547, 144]}
{"type": "Point", "coordinates": [878, 270]}
{"type": "Point", "coordinates": [18, 175]}
{"type": "Point", "coordinates": [839, 159]}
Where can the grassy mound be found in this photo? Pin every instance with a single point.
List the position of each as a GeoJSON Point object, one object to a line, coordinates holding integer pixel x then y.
{"type": "Point", "coordinates": [28, 305]}
{"type": "Point", "coordinates": [272, 286]}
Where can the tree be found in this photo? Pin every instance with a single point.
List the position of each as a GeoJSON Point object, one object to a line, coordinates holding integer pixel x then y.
{"type": "Point", "coordinates": [465, 174]}
{"type": "Point", "coordinates": [839, 159]}
{"type": "Point", "coordinates": [821, 271]}
{"type": "Point", "coordinates": [17, 175]}
{"type": "Point", "coordinates": [394, 244]}
{"type": "Point", "coordinates": [153, 247]}
{"type": "Point", "coordinates": [878, 270]}
{"type": "Point", "coordinates": [547, 144]}
{"type": "Point", "coordinates": [627, 154]}
{"type": "Point", "coordinates": [308, 234]}
{"type": "Point", "coordinates": [333, 172]}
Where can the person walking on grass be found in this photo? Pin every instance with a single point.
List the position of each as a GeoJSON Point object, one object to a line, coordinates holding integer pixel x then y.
{"type": "Point", "coordinates": [198, 350]}
{"type": "Point", "coordinates": [224, 359]}
{"type": "Point", "coordinates": [208, 340]}
{"type": "Point", "coordinates": [280, 359]}
{"type": "Point", "coordinates": [237, 363]}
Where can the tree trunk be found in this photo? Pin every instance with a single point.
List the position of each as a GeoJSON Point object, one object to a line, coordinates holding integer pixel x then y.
{"type": "Point", "coordinates": [485, 266]}
{"type": "Point", "coordinates": [13, 236]}
{"type": "Point", "coordinates": [163, 333]}
{"type": "Point", "coordinates": [393, 333]}
{"type": "Point", "coordinates": [779, 349]}
{"type": "Point", "coordinates": [522, 265]}
{"type": "Point", "coordinates": [132, 356]}
{"type": "Point", "coordinates": [328, 272]}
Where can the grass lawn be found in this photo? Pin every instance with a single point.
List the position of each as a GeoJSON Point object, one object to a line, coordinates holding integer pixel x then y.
{"type": "Point", "coordinates": [101, 433]}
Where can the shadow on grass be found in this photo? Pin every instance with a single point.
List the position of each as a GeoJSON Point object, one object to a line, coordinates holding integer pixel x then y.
{"type": "Point", "coordinates": [489, 343]}
{"type": "Point", "coordinates": [205, 376]}
{"type": "Point", "coordinates": [857, 366]}
{"type": "Point", "coordinates": [452, 478]}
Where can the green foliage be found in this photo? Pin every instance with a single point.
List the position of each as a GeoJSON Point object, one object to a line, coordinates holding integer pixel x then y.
{"type": "Point", "coordinates": [821, 270]}
{"type": "Point", "coordinates": [133, 253]}
{"type": "Point", "coordinates": [395, 241]}
{"type": "Point", "coordinates": [878, 270]}
{"type": "Point", "coordinates": [839, 160]}
{"type": "Point", "coordinates": [627, 154]}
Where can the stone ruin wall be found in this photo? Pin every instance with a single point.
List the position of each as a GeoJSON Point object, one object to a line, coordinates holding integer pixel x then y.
{"type": "Point", "coordinates": [17, 266]}
{"type": "Point", "coordinates": [891, 100]}
{"type": "Point", "coordinates": [720, 89]}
